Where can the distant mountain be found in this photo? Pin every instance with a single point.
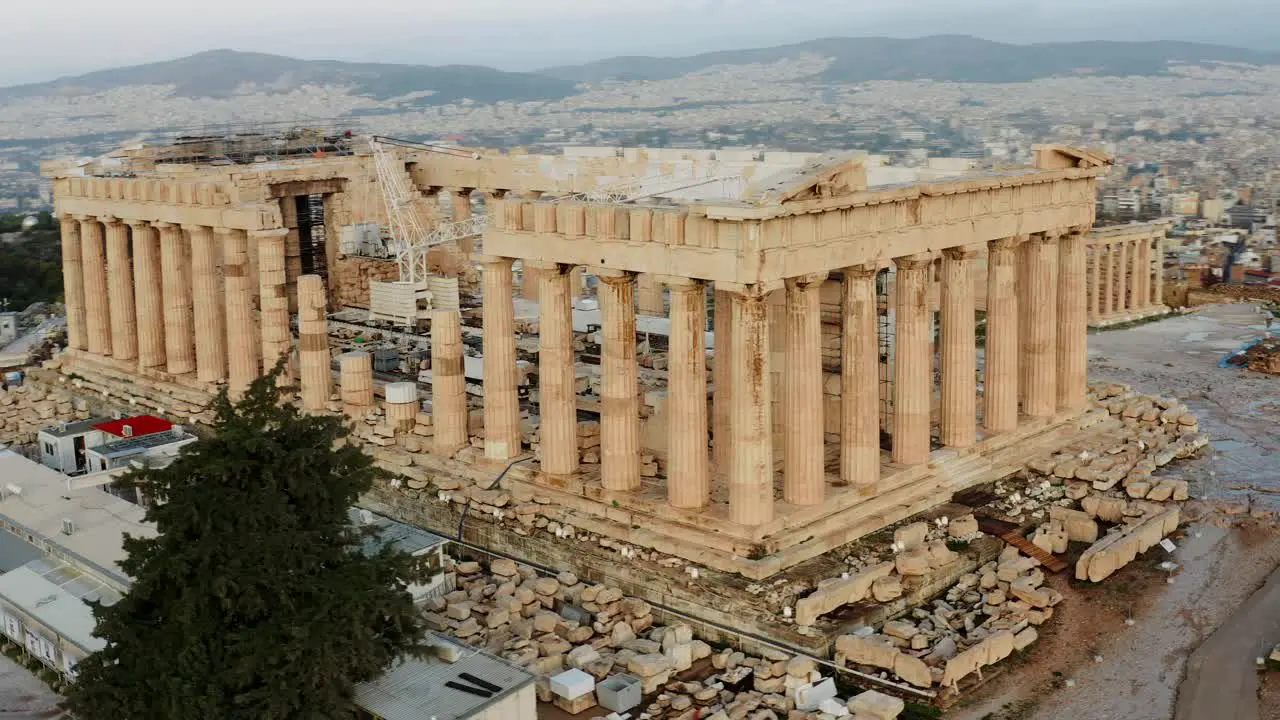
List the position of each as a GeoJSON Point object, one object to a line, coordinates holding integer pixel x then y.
{"type": "Point", "coordinates": [218, 73]}
{"type": "Point", "coordinates": [956, 58]}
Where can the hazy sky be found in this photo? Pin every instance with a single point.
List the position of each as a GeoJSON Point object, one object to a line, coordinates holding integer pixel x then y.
{"type": "Point", "coordinates": [42, 39]}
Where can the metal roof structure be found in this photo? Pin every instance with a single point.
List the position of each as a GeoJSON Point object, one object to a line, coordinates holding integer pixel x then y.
{"type": "Point", "coordinates": [413, 689]}
{"type": "Point", "coordinates": [127, 446]}
{"type": "Point", "coordinates": [79, 427]}
{"type": "Point", "coordinates": [383, 532]}
{"type": "Point", "coordinates": [55, 595]}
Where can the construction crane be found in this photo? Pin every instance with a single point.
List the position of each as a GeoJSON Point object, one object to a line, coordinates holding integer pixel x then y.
{"type": "Point", "coordinates": [410, 240]}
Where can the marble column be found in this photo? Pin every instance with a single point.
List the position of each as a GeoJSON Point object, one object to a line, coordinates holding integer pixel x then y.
{"type": "Point", "coordinates": [73, 282]}
{"type": "Point", "coordinates": [1095, 280]}
{"type": "Point", "coordinates": [501, 401]}
{"type": "Point", "coordinates": [1039, 347]}
{"type": "Point", "coordinates": [688, 474]}
{"type": "Point", "coordinates": [1121, 252]}
{"type": "Point", "coordinates": [179, 315]}
{"type": "Point", "coordinates": [1106, 257]}
{"type": "Point", "coordinates": [804, 473]}
{"type": "Point", "coordinates": [1159, 271]}
{"type": "Point", "coordinates": [461, 204]}
{"type": "Point", "coordinates": [242, 336]}
{"type": "Point", "coordinates": [1072, 339]}
{"type": "Point", "coordinates": [959, 349]}
{"type": "Point", "coordinates": [619, 377]}
{"type": "Point", "coordinates": [93, 258]}
{"type": "Point", "coordinates": [722, 399]}
{"type": "Point", "coordinates": [148, 295]}
{"type": "Point", "coordinates": [557, 373]}
{"type": "Point", "coordinates": [210, 308]}
{"type": "Point", "coordinates": [273, 291]}
{"type": "Point", "coordinates": [124, 319]}
{"type": "Point", "coordinates": [751, 471]}
{"type": "Point", "coordinates": [448, 383]}
{"type": "Point", "coordinates": [355, 378]}
{"type": "Point", "coordinates": [913, 376]}
{"type": "Point", "coordinates": [314, 372]}
{"type": "Point", "coordinates": [1142, 265]}
{"type": "Point", "coordinates": [1001, 375]}
{"type": "Point", "coordinates": [860, 381]}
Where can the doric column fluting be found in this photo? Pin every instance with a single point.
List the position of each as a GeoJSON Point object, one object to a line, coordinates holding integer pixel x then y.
{"type": "Point", "coordinates": [722, 374]}
{"type": "Point", "coordinates": [1121, 251]}
{"type": "Point", "coordinates": [124, 319]}
{"type": "Point", "coordinates": [688, 474]}
{"type": "Point", "coordinates": [649, 298]}
{"type": "Point", "coordinates": [1159, 270]}
{"type": "Point", "coordinates": [355, 379]}
{"type": "Point", "coordinates": [448, 383]}
{"type": "Point", "coordinates": [1095, 280]}
{"type": "Point", "coordinates": [501, 401]}
{"type": "Point", "coordinates": [315, 374]}
{"type": "Point", "coordinates": [1144, 274]}
{"type": "Point", "coordinates": [1072, 384]}
{"type": "Point", "coordinates": [619, 377]}
{"type": "Point", "coordinates": [1039, 347]}
{"type": "Point", "coordinates": [242, 337]}
{"type": "Point", "coordinates": [73, 282]}
{"type": "Point", "coordinates": [860, 381]}
{"type": "Point", "coordinates": [148, 295]}
{"type": "Point", "coordinates": [93, 258]}
{"type": "Point", "coordinates": [804, 475]}
{"type": "Point", "coordinates": [913, 381]}
{"type": "Point", "coordinates": [273, 291]}
{"type": "Point", "coordinates": [1106, 258]}
{"type": "Point", "coordinates": [210, 308]}
{"type": "Point", "coordinates": [557, 373]}
{"type": "Point", "coordinates": [959, 349]}
{"type": "Point", "coordinates": [179, 316]}
{"type": "Point", "coordinates": [751, 472]}
{"type": "Point", "coordinates": [1000, 381]}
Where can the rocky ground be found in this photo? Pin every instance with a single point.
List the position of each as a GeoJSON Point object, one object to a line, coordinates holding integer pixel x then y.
{"type": "Point", "coordinates": [1093, 664]}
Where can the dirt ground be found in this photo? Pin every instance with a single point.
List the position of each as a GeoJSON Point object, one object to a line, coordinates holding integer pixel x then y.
{"type": "Point", "coordinates": [1142, 665]}
{"type": "Point", "coordinates": [23, 696]}
{"type": "Point", "coordinates": [1269, 695]}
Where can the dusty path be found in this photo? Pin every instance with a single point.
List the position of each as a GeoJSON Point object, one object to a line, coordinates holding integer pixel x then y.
{"type": "Point", "coordinates": [1142, 665]}
{"type": "Point", "coordinates": [1222, 681]}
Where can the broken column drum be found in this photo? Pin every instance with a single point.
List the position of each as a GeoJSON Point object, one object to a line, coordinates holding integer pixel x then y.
{"type": "Point", "coordinates": [356, 380]}
{"type": "Point", "coordinates": [448, 382]}
{"type": "Point", "coordinates": [401, 406]}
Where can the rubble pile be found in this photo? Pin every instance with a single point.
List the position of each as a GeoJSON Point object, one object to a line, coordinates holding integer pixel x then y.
{"type": "Point", "coordinates": [1262, 356]}
{"type": "Point", "coordinates": [553, 624]}
{"type": "Point", "coordinates": [26, 409]}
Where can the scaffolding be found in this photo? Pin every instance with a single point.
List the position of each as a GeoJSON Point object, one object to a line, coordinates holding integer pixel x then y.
{"type": "Point", "coordinates": [248, 143]}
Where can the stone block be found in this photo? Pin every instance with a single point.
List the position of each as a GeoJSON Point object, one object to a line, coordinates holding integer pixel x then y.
{"type": "Point", "coordinates": [648, 665]}
{"type": "Point", "coordinates": [873, 651]}
{"type": "Point", "coordinates": [875, 705]}
{"type": "Point", "coordinates": [503, 567]}
{"type": "Point", "coordinates": [963, 526]}
{"type": "Point", "coordinates": [910, 537]}
{"type": "Point", "coordinates": [913, 562]}
{"type": "Point", "coordinates": [912, 670]}
{"type": "Point", "coordinates": [887, 588]}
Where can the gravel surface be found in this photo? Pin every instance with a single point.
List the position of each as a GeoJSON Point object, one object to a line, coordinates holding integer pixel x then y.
{"type": "Point", "coordinates": [1143, 664]}
{"type": "Point", "coordinates": [23, 696]}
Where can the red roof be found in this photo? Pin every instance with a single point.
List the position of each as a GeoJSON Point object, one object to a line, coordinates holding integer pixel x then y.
{"type": "Point", "coordinates": [139, 426]}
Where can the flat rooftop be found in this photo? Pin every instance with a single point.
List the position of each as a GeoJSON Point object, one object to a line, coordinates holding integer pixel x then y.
{"type": "Point", "coordinates": [56, 595]}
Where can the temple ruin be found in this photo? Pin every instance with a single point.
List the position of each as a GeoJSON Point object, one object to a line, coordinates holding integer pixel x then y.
{"type": "Point", "coordinates": [744, 360]}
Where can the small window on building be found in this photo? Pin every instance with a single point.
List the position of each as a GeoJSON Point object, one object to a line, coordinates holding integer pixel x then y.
{"type": "Point", "coordinates": [48, 449]}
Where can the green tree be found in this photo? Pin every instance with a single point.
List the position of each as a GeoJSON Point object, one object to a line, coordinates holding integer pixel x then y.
{"type": "Point", "coordinates": [254, 601]}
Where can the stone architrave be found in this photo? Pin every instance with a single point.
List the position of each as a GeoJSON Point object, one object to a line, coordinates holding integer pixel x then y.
{"type": "Point", "coordinates": [1039, 347]}
{"type": "Point", "coordinates": [501, 402]}
{"type": "Point", "coordinates": [448, 383]}
{"type": "Point", "coordinates": [242, 337]}
{"type": "Point", "coordinates": [619, 375]}
{"type": "Point", "coordinates": [557, 373]}
{"type": "Point", "coordinates": [959, 349]}
{"type": "Point", "coordinates": [1001, 378]}
{"type": "Point", "coordinates": [314, 373]}
{"type": "Point", "coordinates": [93, 259]}
{"type": "Point", "coordinates": [73, 282]}
{"type": "Point", "coordinates": [210, 308]}
{"type": "Point", "coordinates": [1072, 370]}
{"type": "Point", "coordinates": [860, 381]}
{"type": "Point", "coordinates": [804, 476]}
{"type": "Point", "coordinates": [179, 315]}
{"type": "Point", "coordinates": [751, 470]}
{"type": "Point", "coordinates": [688, 473]}
{"type": "Point", "coordinates": [913, 382]}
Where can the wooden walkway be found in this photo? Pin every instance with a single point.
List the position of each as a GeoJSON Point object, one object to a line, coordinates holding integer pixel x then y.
{"type": "Point", "coordinates": [1008, 532]}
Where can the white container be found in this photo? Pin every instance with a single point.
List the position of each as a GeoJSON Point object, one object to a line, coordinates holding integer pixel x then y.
{"type": "Point", "coordinates": [572, 684]}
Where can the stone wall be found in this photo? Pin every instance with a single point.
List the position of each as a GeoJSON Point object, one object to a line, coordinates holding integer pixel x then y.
{"type": "Point", "coordinates": [351, 277]}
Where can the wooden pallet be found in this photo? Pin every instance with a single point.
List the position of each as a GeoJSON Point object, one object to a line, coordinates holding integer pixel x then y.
{"type": "Point", "coordinates": [1028, 548]}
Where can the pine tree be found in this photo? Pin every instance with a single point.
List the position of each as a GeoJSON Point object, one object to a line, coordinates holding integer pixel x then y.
{"type": "Point", "coordinates": [254, 600]}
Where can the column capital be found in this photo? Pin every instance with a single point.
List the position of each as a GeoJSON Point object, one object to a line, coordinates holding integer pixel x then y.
{"type": "Point", "coordinates": [494, 260]}
{"type": "Point", "coordinates": [227, 231]}
{"type": "Point", "coordinates": [749, 292]}
{"type": "Point", "coordinates": [189, 227]}
{"type": "Point", "coordinates": [1048, 237]}
{"type": "Point", "coordinates": [1007, 243]}
{"type": "Point", "coordinates": [461, 190]}
{"type": "Point", "coordinates": [544, 266]}
{"type": "Point", "coordinates": [498, 193]}
{"type": "Point", "coordinates": [676, 282]}
{"type": "Point", "coordinates": [163, 225]}
{"type": "Point", "coordinates": [139, 223]}
{"type": "Point", "coordinates": [861, 272]}
{"type": "Point", "coordinates": [110, 220]}
{"type": "Point", "coordinates": [268, 233]}
{"type": "Point", "coordinates": [960, 252]}
{"type": "Point", "coordinates": [607, 274]}
{"type": "Point", "coordinates": [81, 217]}
{"type": "Point", "coordinates": [806, 280]}
{"type": "Point", "coordinates": [914, 262]}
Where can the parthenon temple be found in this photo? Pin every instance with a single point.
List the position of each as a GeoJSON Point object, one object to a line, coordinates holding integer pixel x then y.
{"type": "Point", "coordinates": [748, 363]}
